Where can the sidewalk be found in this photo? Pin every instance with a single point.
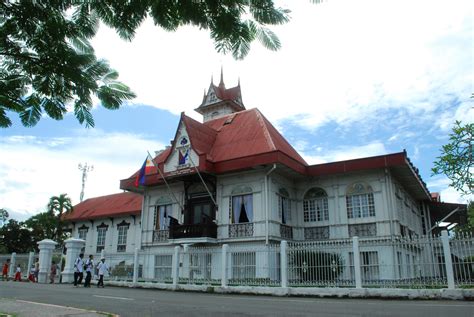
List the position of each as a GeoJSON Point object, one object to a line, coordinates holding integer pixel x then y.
{"type": "Point", "coordinates": [23, 308]}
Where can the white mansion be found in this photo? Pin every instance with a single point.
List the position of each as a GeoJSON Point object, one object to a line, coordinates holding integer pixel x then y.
{"type": "Point", "coordinates": [235, 180]}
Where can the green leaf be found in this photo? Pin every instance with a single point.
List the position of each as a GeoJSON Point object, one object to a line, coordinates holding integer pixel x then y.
{"type": "Point", "coordinates": [32, 114]}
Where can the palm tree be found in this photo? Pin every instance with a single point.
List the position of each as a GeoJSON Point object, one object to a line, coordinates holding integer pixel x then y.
{"type": "Point", "coordinates": [57, 206]}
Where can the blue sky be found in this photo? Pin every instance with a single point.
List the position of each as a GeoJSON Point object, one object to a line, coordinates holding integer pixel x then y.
{"type": "Point", "coordinates": [353, 79]}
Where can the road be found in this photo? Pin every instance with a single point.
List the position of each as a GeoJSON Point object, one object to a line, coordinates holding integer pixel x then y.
{"type": "Point", "coordinates": [143, 303]}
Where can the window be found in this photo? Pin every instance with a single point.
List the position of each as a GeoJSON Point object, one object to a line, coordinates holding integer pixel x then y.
{"type": "Point", "coordinates": [243, 265]}
{"type": "Point", "coordinates": [242, 208]}
{"type": "Point", "coordinates": [315, 205]}
{"type": "Point", "coordinates": [369, 265]}
{"type": "Point", "coordinates": [101, 232]}
{"type": "Point", "coordinates": [161, 217]}
{"type": "Point", "coordinates": [82, 234]}
{"type": "Point", "coordinates": [360, 201]}
{"type": "Point", "coordinates": [122, 229]}
{"type": "Point", "coordinates": [284, 206]}
{"type": "Point", "coordinates": [163, 267]}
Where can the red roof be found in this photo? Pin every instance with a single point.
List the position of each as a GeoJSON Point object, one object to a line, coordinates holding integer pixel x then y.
{"type": "Point", "coordinates": [245, 139]}
{"type": "Point", "coordinates": [121, 204]}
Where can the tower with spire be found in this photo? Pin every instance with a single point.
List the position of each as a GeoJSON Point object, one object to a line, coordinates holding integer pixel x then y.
{"type": "Point", "coordinates": [220, 101]}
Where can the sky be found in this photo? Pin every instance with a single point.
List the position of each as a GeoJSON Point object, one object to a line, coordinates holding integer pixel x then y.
{"type": "Point", "coordinates": [352, 79]}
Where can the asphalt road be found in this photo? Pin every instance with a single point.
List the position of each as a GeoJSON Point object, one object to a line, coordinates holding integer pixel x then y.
{"type": "Point", "coordinates": [143, 303]}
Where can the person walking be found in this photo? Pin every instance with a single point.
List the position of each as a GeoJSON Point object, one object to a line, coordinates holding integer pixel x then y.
{"type": "Point", "coordinates": [78, 269]}
{"type": "Point", "coordinates": [53, 272]}
{"type": "Point", "coordinates": [37, 269]}
{"type": "Point", "coordinates": [18, 273]}
{"type": "Point", "coordinates": [89, 267]}
{"type": "Point", "coordinates": [5, 268]}
{"type": "Point", "coordinates": [103, 268]}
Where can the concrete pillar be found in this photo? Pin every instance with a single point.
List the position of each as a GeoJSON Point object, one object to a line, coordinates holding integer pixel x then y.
{"type": "Point", "coordinates": [135, 266]}
{"type": "Point", "coordinates": [448, 262]}
{"type": "Point", "coordinates": [175, 266]}
{"type": "Point", "coordinates": [283, 264]}
{"type": "Point", "coordinates": [73, 247]}
{"type": "Point", "coordinates": [356, 252]}
{"type": "Point", "coordinates": [31, 258]}
{"type": "Point", "coordinates": [12, 267]}
{"type": "Point", "coordinates": [225, 249]}
{"type": "Point", "coordinates": [46, 248]}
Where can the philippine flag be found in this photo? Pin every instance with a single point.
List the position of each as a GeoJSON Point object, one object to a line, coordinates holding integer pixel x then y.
{"type": "Point", "coordinates": [145, 169]}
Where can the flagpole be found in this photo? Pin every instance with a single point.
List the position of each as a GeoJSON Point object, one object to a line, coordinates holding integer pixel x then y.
{"type": "Point", "coordinates": [164, 179]}
{"type": "Point", "coordinates": [204, 183]}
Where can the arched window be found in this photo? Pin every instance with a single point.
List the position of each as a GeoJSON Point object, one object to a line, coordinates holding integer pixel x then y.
{"type": "Point", "coordinates": [284, 206]}
{"type": "Point", "coordinates": [360, 201]}
{"type": "Point", "coordinates": [315, 205]}
{"type": "Point", "coordinates": [242, 205]}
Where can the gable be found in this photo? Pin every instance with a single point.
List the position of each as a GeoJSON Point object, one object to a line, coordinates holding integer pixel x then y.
{"type": "Point", "coordinates": [182, 157]}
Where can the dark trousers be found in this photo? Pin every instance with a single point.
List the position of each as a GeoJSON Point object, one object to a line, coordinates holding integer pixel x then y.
{"type": "Point", "coordinates": [78, 278]}
{"type": "Point", "coordinates": [87, 282]}
{"type": "Point", "coordinates": [101, 281]}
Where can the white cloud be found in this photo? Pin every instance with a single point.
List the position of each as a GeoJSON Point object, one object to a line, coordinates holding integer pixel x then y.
{"type": "Point", "coordinates": [340, 61]}
{"type": "Point", "coordinates": [34, 169]}
{"type": "Point", "coordinates": [342, 153]}
{"type": "Point", "coordinates": [440, 184]}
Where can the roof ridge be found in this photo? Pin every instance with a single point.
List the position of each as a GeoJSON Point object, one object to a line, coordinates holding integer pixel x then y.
{"type": "Point", "coordinates": [266, 133]}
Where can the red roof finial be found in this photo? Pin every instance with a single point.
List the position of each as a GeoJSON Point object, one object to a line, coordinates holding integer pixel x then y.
{"type": "Point", "coordinates": [221, 83]}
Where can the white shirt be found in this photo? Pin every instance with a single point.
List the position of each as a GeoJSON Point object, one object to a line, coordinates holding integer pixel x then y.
{"type": "Point", "coordinates": [79, 265]}
{"type": "Point", "coordinates": [103, 268]}
{"type": "Point", "coordinates": [89, 265]}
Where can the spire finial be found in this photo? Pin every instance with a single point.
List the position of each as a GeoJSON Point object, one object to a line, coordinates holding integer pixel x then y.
{"type": "Point", "coordinates": [212, 79]}
{"type": "Point", "coordinates": [221, 83]}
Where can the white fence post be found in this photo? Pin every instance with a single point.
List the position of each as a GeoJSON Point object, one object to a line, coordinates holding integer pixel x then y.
{"type": "Point", "coordinates": [175, 269]}
{"type": "Point", "coordinates": [30, 263]}
{"type": "Point", "coordinates": [73, 247]}
{"type": "Point", "coordinates": [447, 259]}
{"type": "Point", "coordinates": [356, 252]}
{"type": "Point", "coordinates": [225, 248]}
{"type": "Point", "coordinates": [135, 266]}
{"type": "Point", "coordinates": [46, 248]}
{"type": "Point", "coordinates": [283, 264]}
{"type": "Point", "coordinates": [12, 265]}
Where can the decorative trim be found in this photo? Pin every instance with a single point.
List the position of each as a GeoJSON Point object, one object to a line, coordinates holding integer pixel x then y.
{"type": "Point", "coordinates": [83, 227]}
{"type": "Point", "coordinates": [123, 224]}
{"type": "Point", "coordinates": [103, 225]}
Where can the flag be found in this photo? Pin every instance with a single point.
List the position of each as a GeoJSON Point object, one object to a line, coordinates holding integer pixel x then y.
{"type": "Point", "coordinates": [145, 169]}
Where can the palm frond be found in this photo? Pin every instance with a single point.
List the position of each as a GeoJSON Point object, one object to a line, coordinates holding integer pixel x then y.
{"type": "Point", "coordinates": [5, 122]}
{"type": "Point", "coordinates": [32, 113]}
{"type": "Point", "coordinates": [83, 115]}
{"type": "Point", "coordinates": [268, 39]}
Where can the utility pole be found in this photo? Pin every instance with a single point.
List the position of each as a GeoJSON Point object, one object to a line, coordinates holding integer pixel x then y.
{"type": "Point", "coordinates": [85, 169]}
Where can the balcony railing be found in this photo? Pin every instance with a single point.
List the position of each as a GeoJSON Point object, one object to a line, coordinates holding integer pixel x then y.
{"type": "Point", "coordinates": [239, 230]}
{"type": "Point", "coordinates": [203, 230]}
{"type": "Point", "coordinates": [161, 235]}
{"type": "Point", "coordinates": [286, 232]}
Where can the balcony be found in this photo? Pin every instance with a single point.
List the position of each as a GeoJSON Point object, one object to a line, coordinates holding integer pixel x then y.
{"type": "Point", "coordinates": [201, 230]}
{"type": "Point", "coordinates": [241, 230]}
{"type": "Point", "coordinates": [286, 232]}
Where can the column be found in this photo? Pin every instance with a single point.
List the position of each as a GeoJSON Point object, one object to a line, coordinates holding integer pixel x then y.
{"type": "Point", "coordinates": [225, 248]}
{"type": "Point", "coordinates": [356, 252]}
{"type": "Point", "coordinates": [448, 262]}
{"type": "Point", "coordinates": [46, 248]}
{"type": "Point", "coordinates": [73, 247]}
{"type": "Point", "coordinates": [283, 264]}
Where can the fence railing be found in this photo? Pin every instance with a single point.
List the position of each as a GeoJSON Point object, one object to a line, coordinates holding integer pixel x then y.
{"type": "Point", "coordinates": [398, 262]}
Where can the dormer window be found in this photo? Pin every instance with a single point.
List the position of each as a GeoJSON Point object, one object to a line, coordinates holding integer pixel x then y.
{"type": "Point", "coordinates": [212, 97]}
